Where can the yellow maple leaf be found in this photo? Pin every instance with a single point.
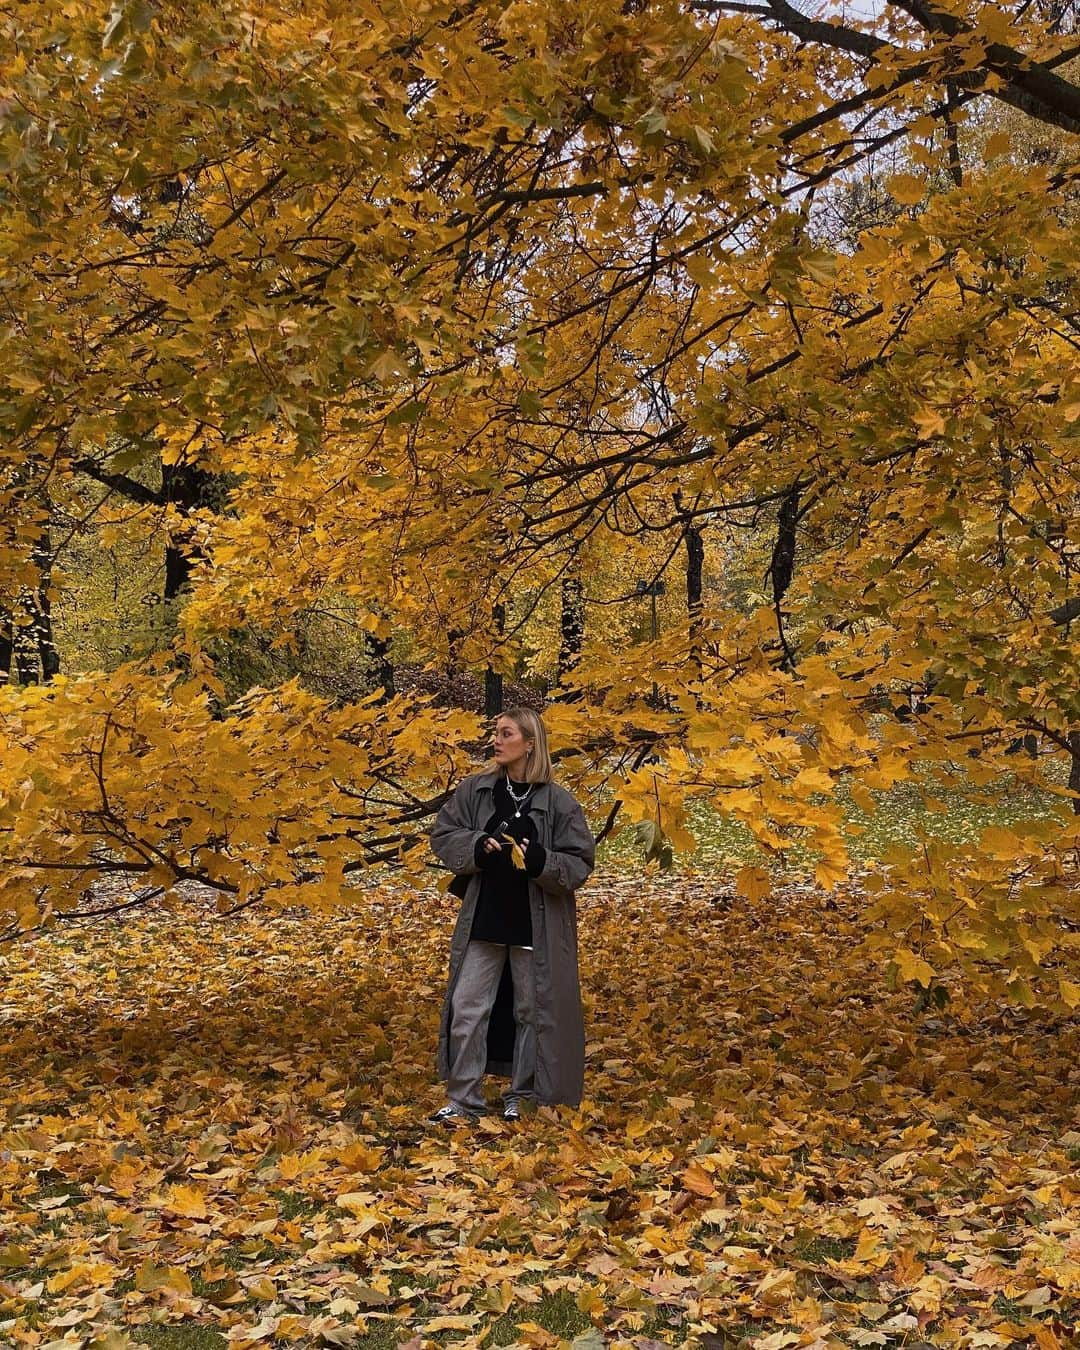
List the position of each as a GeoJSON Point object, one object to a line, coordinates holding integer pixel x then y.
{"type": "Point", "coordinates": [361, 1157]}
{"type": "Point", "coordinates": [913, 968]}
{"type": "Point", "coordinates": [830, 871]}
{"type": "Point", "coordinates": [1070, 993]}
{"type": "Point", "coordinates": [906, 188]}
{"type": "Point", "coordinates": [149, 1278]}
{"type": "Point", "coordinates": [187, 1201]}
{"type": "Point", "coordinates": [752, 882]}
{"type": "Point", "coordinates": [1000, 143]}
{"type": "Point", "coordinates": [452, 1322]}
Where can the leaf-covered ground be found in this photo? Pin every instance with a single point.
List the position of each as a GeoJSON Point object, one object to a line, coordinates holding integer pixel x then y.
{"type": "Point", "coordinates": [214, 1134]}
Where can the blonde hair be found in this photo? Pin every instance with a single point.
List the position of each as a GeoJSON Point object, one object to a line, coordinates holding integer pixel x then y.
{"type": "Point", "coordinates": [538, 767]}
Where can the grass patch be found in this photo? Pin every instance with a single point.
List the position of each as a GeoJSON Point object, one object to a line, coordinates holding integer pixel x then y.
{"type": "Point", "coordinates": [817, 1249]}
{"type": "Point", "coordinates": [382, 1336]}
{"type": "Point", "coordinates": [556, 1312]}
{"type": "Point", "coordinates": [296, 1205]}
{"type": "Point", "coordinates": [51, 1189]}
{"type": "Point", "coordinates": [180, 1336]}
{"type": "Point", "coordinates": [1013, 1312]}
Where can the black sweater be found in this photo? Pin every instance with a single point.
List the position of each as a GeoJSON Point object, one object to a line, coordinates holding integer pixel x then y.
{"type": "Point", "coordinates": [502, 907]}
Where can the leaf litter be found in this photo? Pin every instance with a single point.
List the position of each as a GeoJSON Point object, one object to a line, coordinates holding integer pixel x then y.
{"type": "Point", "coordinates": [222, 1126]}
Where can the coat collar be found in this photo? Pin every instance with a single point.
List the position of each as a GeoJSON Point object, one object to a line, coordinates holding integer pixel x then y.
{"type": "Point", "coordinates": [539, 801]}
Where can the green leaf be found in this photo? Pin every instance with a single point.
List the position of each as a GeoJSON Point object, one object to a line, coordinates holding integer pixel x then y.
{"type": "Point", "coordinates": [407, 415]}
{"type": "Point", "coordinates": [647, 834]}
{"type": "Point", "coordinates": [529, 403]}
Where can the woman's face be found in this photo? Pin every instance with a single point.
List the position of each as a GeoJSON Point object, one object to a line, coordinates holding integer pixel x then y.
{"type": "Point", "coordinates": [509, 741]}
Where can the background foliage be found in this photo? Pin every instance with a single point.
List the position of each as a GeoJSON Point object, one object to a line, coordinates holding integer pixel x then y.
{"type": "Point", "coordinates": [353, 342]}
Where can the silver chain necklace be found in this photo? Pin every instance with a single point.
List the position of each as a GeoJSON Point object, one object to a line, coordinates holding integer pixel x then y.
{"type": "Point", "coordinates": [519, 802]}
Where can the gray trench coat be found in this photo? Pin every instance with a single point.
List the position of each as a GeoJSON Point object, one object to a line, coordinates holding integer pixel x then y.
{"type": "Point", "coordinates": [560, 1026]}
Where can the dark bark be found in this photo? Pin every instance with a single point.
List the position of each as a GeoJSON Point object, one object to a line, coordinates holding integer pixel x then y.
{"type": "Point", "coordinates": [782, 565]}
{"type": "Point", "coordinates": [120, 482]}
{"type": "Point", "coordinates": [571, 623]}
{"type": "Point", "coordinates": [379, 653]}
{"type": "Point", "coordinates": [41, 607]}
{"type": "Point", "coordinates": [43, 627]}
{"type": "Point", "coordinates": [186, 486]}
{"type": "Point", "coordinates": [493, 680]}
{"type": "Point", "coordinates": [27, 637]}
{"type": "Point", "coordinates": [6, 645]}
{"type": "Point", "coordinates": [27, 667]}
{"type": "Point", "coordinates": [493, 693]}
{"type": "Point", "coordinates": [1074, 768]}
{"type": "Point", "coordinates": [695, 566]}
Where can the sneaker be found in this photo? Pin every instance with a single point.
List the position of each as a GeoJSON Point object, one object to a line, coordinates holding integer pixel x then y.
{"type": "Point", "coordinates": [512, 1110]}
{"type": "Point", "coordinates": [451, 1115]}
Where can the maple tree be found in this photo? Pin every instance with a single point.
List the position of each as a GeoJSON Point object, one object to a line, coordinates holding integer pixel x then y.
{"type": "Point", "coordinates": [405, 314]}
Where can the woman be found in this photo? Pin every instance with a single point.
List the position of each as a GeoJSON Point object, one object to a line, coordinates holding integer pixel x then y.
{"type": "Point", "coordinates": [513, 1005]}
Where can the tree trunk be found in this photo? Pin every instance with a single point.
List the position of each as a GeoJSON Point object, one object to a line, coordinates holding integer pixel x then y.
{"type": "Point", "coordinates": [493, 680]}
{"type": "Point", "coordinates": [42, 608]}
{"type": "Point", "coordinates": [695, 566]}
{"type": "Point", "coordinates": [43, 632]}
{"type": "Point", "coordinates": [27, 666]}
{"type": "Point", "coordinates": [493, 693]}
{"type": "Point", "coordinates": [782, 565]}
{"type": "Point", "coordinates": [1074, 768]}
{"type": "Point", "coordinates": [571, 623]}
{"type": "Point", "coordinates": [30, 642]}
{"type": "Point", "coordinates": [6, 645]}
{"type": "Point", "coordinates": [379, 653]}
{"type": "Point", "coordinates": [186, 486]}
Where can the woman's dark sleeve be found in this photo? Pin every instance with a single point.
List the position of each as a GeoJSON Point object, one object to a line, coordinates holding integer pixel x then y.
{"type": "Point", "coordinates": [453, 839]}
{"type": "Point", "coordinates": [572, 853]}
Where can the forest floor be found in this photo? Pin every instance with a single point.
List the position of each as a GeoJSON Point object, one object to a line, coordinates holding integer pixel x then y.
{"type": "Point", "coordinates": [215, 1135]}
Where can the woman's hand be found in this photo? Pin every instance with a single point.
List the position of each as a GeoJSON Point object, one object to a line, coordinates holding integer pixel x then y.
{"type": "Point", "coordinates": [488, 851]}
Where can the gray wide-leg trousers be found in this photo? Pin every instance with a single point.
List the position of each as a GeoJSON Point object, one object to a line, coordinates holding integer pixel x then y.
{"type": "Point", "coordinates": [473, 1000]}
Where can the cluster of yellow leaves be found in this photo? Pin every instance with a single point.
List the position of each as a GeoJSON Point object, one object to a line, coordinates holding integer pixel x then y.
{"type": "Point", "coordinates": [287, 796]}
{"type": "Point", "coordinates": [134, 772]}
{"type": "Point", "coordinates": [221, 1126]}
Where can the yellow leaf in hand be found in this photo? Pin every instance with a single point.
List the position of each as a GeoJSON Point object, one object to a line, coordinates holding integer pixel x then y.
{"type": "Point", "coordinates": [516, 852]}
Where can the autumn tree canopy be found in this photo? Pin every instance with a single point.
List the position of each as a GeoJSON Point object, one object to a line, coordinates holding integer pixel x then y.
{"type": "Point", "coordinates": [433, 317]}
